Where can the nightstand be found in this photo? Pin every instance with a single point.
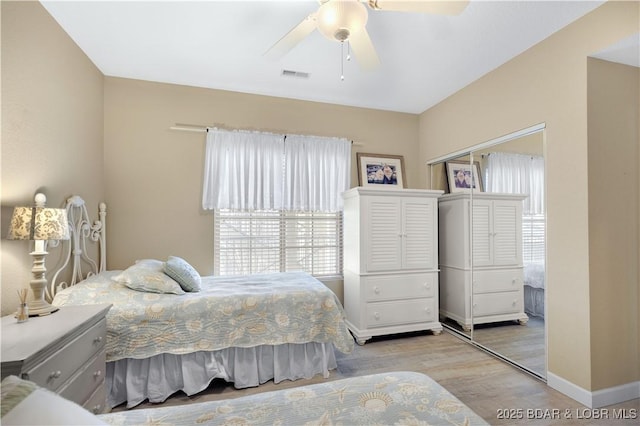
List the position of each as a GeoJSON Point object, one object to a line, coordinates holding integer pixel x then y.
{"type": "Point", "coordinates": [63, 352]}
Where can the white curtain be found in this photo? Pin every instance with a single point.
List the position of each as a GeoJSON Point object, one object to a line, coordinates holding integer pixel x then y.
{"type": "Point", "coordinates": [318, 171]}
{"type": "Point", "coordinates": [261, 171]}
{"type": "Point", "coordinates": [517, 174]}
{"type": "Point", "coordinates": [243, 170]}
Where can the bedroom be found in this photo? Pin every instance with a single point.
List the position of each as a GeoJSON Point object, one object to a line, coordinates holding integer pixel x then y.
{"type": "Point", "coordinates": [98, 130]}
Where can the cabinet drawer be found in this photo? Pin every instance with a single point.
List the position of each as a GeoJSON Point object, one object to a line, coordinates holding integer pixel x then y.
{"type": "Point", "coordinates": [497, 280]}
{"type": "Point", "coordinates": [497, 303]}
{"type": "Point", "coordinates": [381, 314]}
{"type": "Point", "coordinates": [97, 401]}
{"type": "Point", "coordinates": [87, 380]}
{"type": "Point", "coordinates": [55, 370]}
{"type": "Point", "coordinates": [397, 287]}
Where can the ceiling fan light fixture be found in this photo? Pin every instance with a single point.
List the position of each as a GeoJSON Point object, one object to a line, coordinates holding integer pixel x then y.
{"type": "Point", "coordinates": [338, 19]}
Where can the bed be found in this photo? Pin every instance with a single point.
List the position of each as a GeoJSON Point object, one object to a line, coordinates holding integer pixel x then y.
{"type": "Point", "coordinates": [246, 330]}
{"type": "Point", "coordinates": [534, 273]}
{"type": "Point", "coordinates": [387, 398]}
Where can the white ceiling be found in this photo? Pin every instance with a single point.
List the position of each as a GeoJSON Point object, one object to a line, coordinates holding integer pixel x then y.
{"type": "Point", "coordinates": [625, 51]}
{"type": "Point", "coordinates": [220, 44]}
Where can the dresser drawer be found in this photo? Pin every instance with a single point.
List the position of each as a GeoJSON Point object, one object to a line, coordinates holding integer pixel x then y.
{"type": "Point", "coordinates": [497, 303]}
{"type": "Point", "coordinates": [382, 314]}
{"type": "Point", "coordinates": [97, 401]}
{"type": "Point", "coordinates": [87, 379]}
{"type": "Point", "coordinates": [397, 287]}
{"type": "Point", "coordinates": [497, 280]}
{"type": "Point", "coordinates": [55, 370]}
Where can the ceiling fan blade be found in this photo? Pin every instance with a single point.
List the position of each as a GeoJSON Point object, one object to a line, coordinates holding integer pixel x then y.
{"type": "Point", "coordinates": [363, 50]}
{"type": "Point", "coordinates": [292, 38]}
{"type": "Point", "coordinates": [438, 7]}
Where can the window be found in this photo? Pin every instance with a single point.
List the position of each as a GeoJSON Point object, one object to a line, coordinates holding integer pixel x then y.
{"type": "Point", "coordinates": [277, 201]}
{"type": "Point", "coordinates": [278, 241]}
{"type": "Point", "coordinates": [533, 230]}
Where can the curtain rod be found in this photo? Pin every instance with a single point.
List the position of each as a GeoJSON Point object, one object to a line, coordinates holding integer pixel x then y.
{"type": "Point", "coordinates": [203, 129]}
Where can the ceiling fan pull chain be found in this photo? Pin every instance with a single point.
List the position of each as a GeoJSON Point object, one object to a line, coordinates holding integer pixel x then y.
{"type": "Point", "coordinates": [348, 51]}
{"type": "Point", "coordinates": [342, 60]}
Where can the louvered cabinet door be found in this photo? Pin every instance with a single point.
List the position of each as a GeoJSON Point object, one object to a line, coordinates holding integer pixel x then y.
{"type": "Point", "coordinates": [497, 232]}
{"type": "Point", "coordinates": [383, 234]}
{"type": "Point", "coordinates": [507, 233]}
{"type": "Point", "coordinates": [482, 230]}
{"type": "Point", "coordinates": [419, 233]}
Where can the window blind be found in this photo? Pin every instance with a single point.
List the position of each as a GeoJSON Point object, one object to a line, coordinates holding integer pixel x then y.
{"type": "Point", "coordinates": [533, 238]}
{"type": "Point", "coordinates": [248, 242]}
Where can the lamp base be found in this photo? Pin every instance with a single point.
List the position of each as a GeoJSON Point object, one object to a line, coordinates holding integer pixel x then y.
{"type": "Point", "coordinates": [39, 308]}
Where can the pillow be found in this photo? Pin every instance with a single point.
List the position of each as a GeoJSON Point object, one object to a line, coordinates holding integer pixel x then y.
{"type": "Point", "coordinates": [185, 274]}
{"type": "Point", "coordinates": [147, 275]}
{"type": "Point", "coordinates": [24, 403]}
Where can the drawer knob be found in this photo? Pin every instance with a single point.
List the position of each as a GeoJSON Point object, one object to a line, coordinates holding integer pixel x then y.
{"type": "Point", "coordinates": [427, 310]}
{"type": "Point", "coordinates": [97, 374]}
{"type": "Point", "coordinates": [376, 315]}
{"type": "Point", "coordinates": [376, 290]}
{"type": "Point", "coordinates": [55, 374]}
{"type": "Point", "coordinates": [514, 303]}
{"type": "Point", "coordinates": [97, 339]}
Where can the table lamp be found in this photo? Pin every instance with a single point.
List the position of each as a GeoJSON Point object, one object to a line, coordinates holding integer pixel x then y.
{"type": "Point", "coordinates": [40, 224]}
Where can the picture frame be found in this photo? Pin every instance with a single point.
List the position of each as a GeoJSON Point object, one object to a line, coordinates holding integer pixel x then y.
{"type": "Point", "coordinates": [381, 170]}
{"type": "Point", "coordinates": [463, 176]}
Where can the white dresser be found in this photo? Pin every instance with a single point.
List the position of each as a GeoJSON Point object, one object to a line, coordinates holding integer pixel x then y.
{"type": "Point", "coordinates": [489, 285]}
{"type": "Point", "coordinates": [63, 352]}
{"type": "Point", "coordinates": [390, 261]}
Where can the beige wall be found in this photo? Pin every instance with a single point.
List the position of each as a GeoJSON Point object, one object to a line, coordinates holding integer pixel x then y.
{"type": "Point", "coordinates": [613, 108]}
{"type": "Point", "coordinates": [548, 84]}
{"type": "Point", "coordinates": [154, 175]}
{"type": "Point", "coordinates": [52, 118]}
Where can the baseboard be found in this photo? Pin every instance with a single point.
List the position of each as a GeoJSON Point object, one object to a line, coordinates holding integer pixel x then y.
{"type": "Point", "coordinates": [616, 394]}
{"type": "Point", "coordinates": [596, 399]}
{"type": "Point", "coordinates": [573, 391]}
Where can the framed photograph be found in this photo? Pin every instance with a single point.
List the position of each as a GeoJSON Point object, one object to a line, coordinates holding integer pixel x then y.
{"type": "Point", "coordinates": [463, 176]}
{"type": "Point", "coordinates": [380, 169]}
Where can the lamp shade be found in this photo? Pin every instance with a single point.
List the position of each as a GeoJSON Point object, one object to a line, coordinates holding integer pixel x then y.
{"type": "Point", "coordinates": [337, 19]}
{"type": "Point", "coordinates": [38, 223]}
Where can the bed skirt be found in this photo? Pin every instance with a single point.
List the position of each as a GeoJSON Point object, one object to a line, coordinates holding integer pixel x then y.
{"type": "Point", "coordinates": [156, 378]}
{"type": "Point", "coordinates": [534, 301]}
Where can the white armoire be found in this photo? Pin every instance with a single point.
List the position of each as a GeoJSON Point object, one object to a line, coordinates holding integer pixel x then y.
{"type": "Point", "coordinates": [390, 261]}
{"type": "Point", "coordinates": [481, 270]}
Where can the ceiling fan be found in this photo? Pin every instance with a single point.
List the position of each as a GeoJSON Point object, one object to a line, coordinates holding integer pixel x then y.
{"type": "Point", "coordinates": [345, 20]}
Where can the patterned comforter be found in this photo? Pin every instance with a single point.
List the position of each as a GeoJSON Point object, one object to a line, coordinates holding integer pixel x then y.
{"type": "Point", "coordinates": [248, 311]}
{"type": "Point", "coordinates": [395, 398]}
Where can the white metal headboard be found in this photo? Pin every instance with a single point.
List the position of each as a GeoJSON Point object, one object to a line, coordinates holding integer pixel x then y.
{"type": "Point", "coordinates": [75, 250]}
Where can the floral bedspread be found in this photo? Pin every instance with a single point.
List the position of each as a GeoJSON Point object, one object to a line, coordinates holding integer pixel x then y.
{"type": "Point", "coordinates": [394, 398]}
{"type": "Point", "coordinates": [248, 311]}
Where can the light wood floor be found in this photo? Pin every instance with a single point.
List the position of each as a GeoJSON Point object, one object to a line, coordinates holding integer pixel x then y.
{"type": "Point", "coordinates": [482, 382]}
{"type": "Point", "coordinates": [523, 344]}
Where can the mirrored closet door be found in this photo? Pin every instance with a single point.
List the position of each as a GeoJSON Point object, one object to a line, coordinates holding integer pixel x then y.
{"type": "Point", "coordinates": [492, 246]}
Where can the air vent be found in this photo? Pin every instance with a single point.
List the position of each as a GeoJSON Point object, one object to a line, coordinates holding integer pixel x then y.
{"type": "Point", "coordinates": [296, 74]}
